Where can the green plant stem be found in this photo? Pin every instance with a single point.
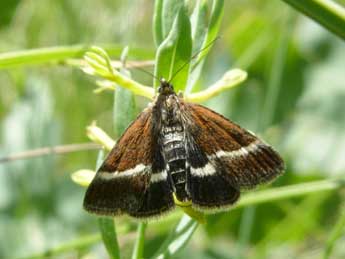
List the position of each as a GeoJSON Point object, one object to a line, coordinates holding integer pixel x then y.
{"type": "Point", "coordinates": [138, 250]}
{"type": "Point", "coordinates": [76, 244]}
{"type": "Point", "coordinates": [58, 54]}
{"type": "Point", "coordinates": [336, 233]}
{"type": "Point", "coordinates": [54, 150]}
{"type": "Point", "coordinates": [132, 85]}
{"type": "Point", "coordinates": [230, 79]}
{"type": "Point", "coordinates": [326, 12]}
{"type": "Point", "coordinates": [291, 191]}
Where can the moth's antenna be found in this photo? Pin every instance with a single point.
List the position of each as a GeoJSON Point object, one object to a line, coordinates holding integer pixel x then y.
{"type": "Point", "coordinates": [147, 72]}
{"type": "Point", "coordinates": [194, 56]}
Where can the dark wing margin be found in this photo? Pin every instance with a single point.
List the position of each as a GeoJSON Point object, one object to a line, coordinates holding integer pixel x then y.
{"type": "Point", "coordinates": [225, 155]}
{"type": "Point", "coordinates": [129, 179]}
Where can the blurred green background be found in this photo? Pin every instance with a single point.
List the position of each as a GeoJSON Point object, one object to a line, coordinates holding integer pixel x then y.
{"type": "Point", "coordinates": [50, 104]}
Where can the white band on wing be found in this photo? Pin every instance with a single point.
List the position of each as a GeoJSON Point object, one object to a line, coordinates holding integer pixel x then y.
{"type": "Point", "coordinates": [243, 151]}
{"type": "Point", "coordinates": [121, 174]}
{"type": "Point", "coordinates": [159, 176]}
{"type": "Point", "coordinates": [209, 169]}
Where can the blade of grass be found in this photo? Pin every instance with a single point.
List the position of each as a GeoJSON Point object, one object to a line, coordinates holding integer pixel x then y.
{"type": "Point", "coordinates": [276, 73]}
{"type": "Point", "coordinates": [178, 238]}
{"type": "Point", "coordinates": [109, 237]}
{"type": "Point", "coordinates": [328, 13]}
{"type": "Point", "coordinates": [336, 233]}
{"type": "Point", "coordinates": [246, 225]}
{"type": "Point", "coordinates": [138, 250]}
{"type": "Point", "coordinates": [77, 244]}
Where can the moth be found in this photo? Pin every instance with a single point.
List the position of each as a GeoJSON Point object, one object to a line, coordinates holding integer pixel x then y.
{"type": "Point", "coordinates": [181, 149]}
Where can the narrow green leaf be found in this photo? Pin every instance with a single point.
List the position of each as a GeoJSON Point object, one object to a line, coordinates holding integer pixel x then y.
{"type": "Point", "coordinates": [157, 22]}
{"type": "Point", "coordinates": [199, 24]}
{"type": "Point", "coordinates": [124, 109]}
{"type": "Point", "coordinates": [169, 10]}
{"type": "Point", "coordinates": [39, 56]}
{"type": "Point", "coordinates": [124, 103]}
{"type": "Point", "coordinates": [175, 52]}
{"type": "Point", "coordinates": [213, 27]}
{"type": "Point", "coordinates": [108, 231]}
{"type": "Point", "coordinates": [138, 250]}
{"type": "Point", "coordinates": [203, 39]}
{"type": "Point", "coordinates": [328, 13]}
{"type": "Point", "coordinates": [178, 238]}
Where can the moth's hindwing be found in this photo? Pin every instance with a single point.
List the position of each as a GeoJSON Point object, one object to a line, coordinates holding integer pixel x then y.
{"type": "Point", "coordinates": [224, 158]}
{"type": "Point", "coordinates": [158, 197]}
{"type": "Point", "coordinates": [207, 184]}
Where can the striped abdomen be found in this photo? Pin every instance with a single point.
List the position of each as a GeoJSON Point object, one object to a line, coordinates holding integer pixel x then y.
{"type": "Point", "coordinates": [175, 157]}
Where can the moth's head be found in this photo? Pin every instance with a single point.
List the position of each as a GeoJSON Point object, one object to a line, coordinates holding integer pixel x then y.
{"type": "Point", "coordinates": [165, 87]}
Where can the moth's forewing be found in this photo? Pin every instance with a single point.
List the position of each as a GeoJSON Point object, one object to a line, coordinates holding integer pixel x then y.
{"type": "Point", "coordinates": [127, 181]}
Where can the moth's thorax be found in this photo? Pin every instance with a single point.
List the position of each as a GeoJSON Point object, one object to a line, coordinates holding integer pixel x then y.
{"type": "Point", "coordinates": [170, 110]}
